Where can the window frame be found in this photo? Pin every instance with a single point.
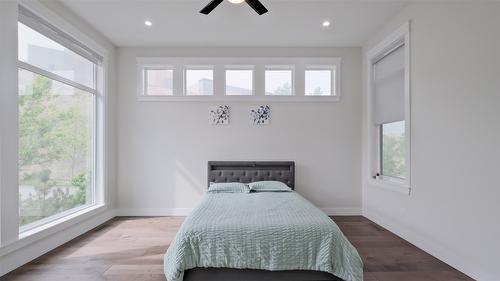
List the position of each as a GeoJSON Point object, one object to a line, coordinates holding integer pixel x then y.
{"type": "Point", "coordinates": [236, 68]}
{"type": "Point", "coordinates": [271, 67]}
{"type": "Point", "coordinates": [99, 190]}
{"type": "Point", "coordinates": [333, 83]}
{"type": "Point", "coordinates": [220, 64]}
{"type": "Point", "coordinates": [374, 132]}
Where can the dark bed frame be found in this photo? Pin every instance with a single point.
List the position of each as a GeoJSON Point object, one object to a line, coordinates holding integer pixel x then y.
{"type": "Point", "coordinates": [246, 172]}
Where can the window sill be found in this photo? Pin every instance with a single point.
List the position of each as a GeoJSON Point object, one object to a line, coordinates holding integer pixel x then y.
{"type": "Point", "coordinates": [45, 230]}
{"type": "Point", "coordinates": [391, 185]}
{"type": "Point", "coordinates": [312, 99]}
{"type": "Point", "coordinates": [47, 222]}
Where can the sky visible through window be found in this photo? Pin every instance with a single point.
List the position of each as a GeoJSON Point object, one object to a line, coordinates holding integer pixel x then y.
{"type": "Point", "coordinates": [29, 37]}
{"type": "Point", "coordinates": [199, 81]}
{"type": "Point", "coordinates": [279, 82]}
{"type": "Point", "coordinates": [160, 82]}
{"type": "Point", "coordinates": [319, 82]}
{"type": "Point", "coordinates": [239, 82]}
{"type": "Point", "coordinates": [42, 52]}
{"type": "Point", "coordinates": [395, 128]}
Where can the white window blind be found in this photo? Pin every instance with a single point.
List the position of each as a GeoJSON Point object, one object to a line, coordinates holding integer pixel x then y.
{"type": "Point", "coordinates": [389, 87]}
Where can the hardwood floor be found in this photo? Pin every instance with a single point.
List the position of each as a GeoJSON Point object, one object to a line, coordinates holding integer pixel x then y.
{"type": "Point", "coordinates": [132, 249]}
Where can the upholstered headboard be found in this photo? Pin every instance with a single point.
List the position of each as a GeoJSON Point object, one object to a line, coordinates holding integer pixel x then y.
{"type": "Point", "coordinates": [246, 172]}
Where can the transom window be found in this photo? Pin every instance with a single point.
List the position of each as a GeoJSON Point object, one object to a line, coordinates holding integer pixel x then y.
{"type": "Point", "coordinates": [320, 81]}
{"type": "Point", "coordinates": [238, 79]}
{"type": "Point", "coordinates": [158, 81]}
{"type": "Point", "coordinates": [199, 81]}
{"type": "Point", "coordinates": [279, 81]}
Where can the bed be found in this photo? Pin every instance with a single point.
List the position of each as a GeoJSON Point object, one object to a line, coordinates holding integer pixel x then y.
{"type": "Point", "coordinates": [259, 236]}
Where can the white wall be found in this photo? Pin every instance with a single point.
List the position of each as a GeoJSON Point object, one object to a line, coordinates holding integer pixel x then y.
{"type": "Point", "coordinates": [163, 147]}
{"type": "Point", "coordinates": [8, 124]}
{"type": "Point", "coordinates": [455, 81]}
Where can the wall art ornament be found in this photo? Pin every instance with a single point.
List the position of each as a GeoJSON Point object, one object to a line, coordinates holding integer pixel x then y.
{"type": "Point", "coordinates": [260, 115]}
{"type": "Point", "coordinates": [219, 115]}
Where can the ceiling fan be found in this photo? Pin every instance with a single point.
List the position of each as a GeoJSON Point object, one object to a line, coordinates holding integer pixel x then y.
{"type": "Point", "coordinates": [255, 4]}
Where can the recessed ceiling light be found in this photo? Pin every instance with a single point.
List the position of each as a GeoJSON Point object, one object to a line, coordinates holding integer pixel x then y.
{"type": "Point", "coordinates": [236, 1]}
{"type": "Point", "coordinates": [326, 23]}
{"type": "Point", "coordinates": [148, 23]}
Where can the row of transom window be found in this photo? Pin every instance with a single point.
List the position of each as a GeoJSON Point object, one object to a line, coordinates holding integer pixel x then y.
{"type": "Point", "coordinates": [239, 81]}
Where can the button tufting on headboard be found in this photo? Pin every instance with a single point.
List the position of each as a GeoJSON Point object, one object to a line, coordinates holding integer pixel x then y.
{"type": "Point", "coordinates": [242, 171]}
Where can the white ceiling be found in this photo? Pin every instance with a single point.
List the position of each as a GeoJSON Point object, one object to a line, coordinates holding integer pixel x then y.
{"type": "Point", "coordinates": [288, 23]}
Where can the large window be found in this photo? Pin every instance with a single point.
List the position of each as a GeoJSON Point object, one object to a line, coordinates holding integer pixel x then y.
{"type": "Point", "coordinates": [390, 118]}
{"type": "Point", "coordinates": [57, 124]}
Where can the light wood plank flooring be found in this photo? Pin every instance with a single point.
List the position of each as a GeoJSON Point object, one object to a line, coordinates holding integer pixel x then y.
{"type": "Point", "coordinates": [132, 249]}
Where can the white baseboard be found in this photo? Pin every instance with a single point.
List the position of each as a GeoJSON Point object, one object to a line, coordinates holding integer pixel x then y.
{"type": "Point", "coordinates": [181, 212]}
{"type": "Point", "coordinates": [433, 248]}
{"type": "Point", "coordinates": [11, 260]}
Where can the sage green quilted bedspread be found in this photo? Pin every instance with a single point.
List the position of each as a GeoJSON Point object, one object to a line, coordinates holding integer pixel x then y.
{"type": "Point", "coordinates": [267, 230]}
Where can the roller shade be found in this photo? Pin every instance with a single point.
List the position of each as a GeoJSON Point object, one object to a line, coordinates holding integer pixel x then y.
{"type": "Point", "coordinates": [40, 25]}
{"type": "Point", "coordinates": [389, 87]}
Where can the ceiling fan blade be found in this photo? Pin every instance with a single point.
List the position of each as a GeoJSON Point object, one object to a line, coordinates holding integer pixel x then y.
{"type": "Point", "coordinates": [257, 6]}
{"type": "Point", "coordinates": [211, 6]}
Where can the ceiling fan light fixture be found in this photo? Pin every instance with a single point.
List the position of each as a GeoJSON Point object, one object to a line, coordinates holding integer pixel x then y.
{"type": "Point", "coordinates": [254, 4]}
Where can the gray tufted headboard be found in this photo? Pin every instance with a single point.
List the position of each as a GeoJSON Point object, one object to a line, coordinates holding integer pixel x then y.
{"type": "Point", "coordinates": [246, 172]}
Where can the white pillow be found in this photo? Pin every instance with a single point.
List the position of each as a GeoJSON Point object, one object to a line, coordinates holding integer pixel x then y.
{"type": "Point", "coordinates": [269, 186]}
{"type": "Point", "coordinates": [228, 187]}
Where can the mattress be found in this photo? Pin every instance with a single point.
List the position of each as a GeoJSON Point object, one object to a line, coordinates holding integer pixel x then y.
{"type": "Point", "coordinates": [274, 231]}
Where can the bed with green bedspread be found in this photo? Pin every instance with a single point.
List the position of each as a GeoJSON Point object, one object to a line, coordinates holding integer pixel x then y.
{"type": "Point", "coordinates": [274, 231]}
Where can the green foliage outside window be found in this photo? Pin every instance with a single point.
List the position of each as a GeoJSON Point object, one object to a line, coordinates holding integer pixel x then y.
{"type": "Point", "coordinates": [393, 148]}
{"type": "Point", "coordinates": [54, 148]}
{"type": "Point", "coordinates": [318, 92]}
{"type": "Point", "coordinates": [283, 90]}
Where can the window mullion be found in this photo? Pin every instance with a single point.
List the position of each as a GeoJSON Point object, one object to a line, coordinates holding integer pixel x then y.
{"type": "Point", "coordinates": [50, 75]}
{"type": "Point", "coordinates": [381, 150]}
